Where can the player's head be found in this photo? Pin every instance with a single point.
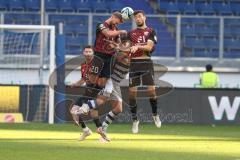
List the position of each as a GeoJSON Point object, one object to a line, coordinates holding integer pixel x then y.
{"type": "Point", "coordinates": [209, 68]}
{"type": "Point", "coordinates": [88, 52]}
{"type": "Point", "coordinates": [139, 18]}
{"type": "Point", "coordinates": [116, 18]}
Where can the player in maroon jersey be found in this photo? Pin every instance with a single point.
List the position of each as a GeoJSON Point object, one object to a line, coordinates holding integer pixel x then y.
{"type": "Point", "coordinates": [102, 49]}
{"type": "Point", "coordinates": [91, 91]}
{"type": "Point", "coordinates": [143, 40]}
{"type": "Point", "coordinates": [88, 54]}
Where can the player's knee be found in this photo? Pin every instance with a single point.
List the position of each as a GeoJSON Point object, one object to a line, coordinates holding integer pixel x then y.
{"type": "Point", "coordinates": [118, 109]}
{"type": "Point", "coordinates": [132, 93]}
{"type": "Point", "coordinates": [74, 109]}
{"type": "Point", "coordinates": [102, 82]}
{"type": "Point", "coordinates": [100, 101]}
{"type": "Point", "coordinates": [94, 113]}
{"type": "Point", "coordinates": [151, 92]}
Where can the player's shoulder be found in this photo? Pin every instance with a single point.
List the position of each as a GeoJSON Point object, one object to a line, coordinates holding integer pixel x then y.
{"type": "Point", "coordinates": [150, 29]}
{"type": "Point", "coordinates": [133, 30]}
{"type": "Point", "coordinates": [102, 25]}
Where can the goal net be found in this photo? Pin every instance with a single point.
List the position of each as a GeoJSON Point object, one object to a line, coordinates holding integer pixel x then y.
{"type": "Point", "coordinates": [27, 55]}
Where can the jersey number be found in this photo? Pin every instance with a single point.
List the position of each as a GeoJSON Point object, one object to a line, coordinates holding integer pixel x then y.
{"type": "Point", "coordinates": [141, 39]}
{"type": "Point", "coordinates": [94, 69]}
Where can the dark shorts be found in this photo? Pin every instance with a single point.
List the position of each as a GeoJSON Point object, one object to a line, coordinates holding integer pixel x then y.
{"type": "Point", "coordinates": [102, 64]}
{"type": "Point", "coordinates": [141, 72]}
{"type": "Point", "coordinates": [90, 92]}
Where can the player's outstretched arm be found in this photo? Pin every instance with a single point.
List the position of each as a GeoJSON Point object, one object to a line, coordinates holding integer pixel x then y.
{"type": "Point", "coordinates": [110, 34]}
{"type": "Point", "coordinates": [78, 83]}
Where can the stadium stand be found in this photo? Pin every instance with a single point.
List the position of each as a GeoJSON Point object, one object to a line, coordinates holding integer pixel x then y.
{"type": "Point", "coordinates": [199, 35]}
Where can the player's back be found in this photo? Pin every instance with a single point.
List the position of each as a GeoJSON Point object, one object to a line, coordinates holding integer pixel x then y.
{"type": "Point", "coordinates": [120, 68]}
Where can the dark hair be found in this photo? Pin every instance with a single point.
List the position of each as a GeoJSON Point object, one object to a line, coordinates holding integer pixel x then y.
{"type": "Point", "coordinates": [138, 11]}
{"type": "Point", "coordinates": [209, 67]}
{"type": "Point", "coordinates": [87, 46]}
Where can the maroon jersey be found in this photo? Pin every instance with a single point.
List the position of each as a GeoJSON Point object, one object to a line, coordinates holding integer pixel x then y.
{"type": "Point", "coordinates": [85, 71]}
{"type": "Point", "coordinates": [100, 44]}
{"type": "Point", "coordinates": [140, 37]}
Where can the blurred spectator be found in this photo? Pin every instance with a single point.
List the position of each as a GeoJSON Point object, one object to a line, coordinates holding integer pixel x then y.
{"type": "Point", "coordinates": [209, 79]}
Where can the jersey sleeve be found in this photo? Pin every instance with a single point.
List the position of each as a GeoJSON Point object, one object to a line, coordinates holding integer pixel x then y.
{"type": "Point", "coordinates": [101, 27]}
{"type": "Point", "coordinates": [83, 71]}
{"type": "Point", "coordinates": [153, 37]}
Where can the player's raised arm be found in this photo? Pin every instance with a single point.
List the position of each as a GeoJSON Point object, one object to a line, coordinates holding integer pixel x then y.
{"type": "Point", "coordinates": [110, 34]}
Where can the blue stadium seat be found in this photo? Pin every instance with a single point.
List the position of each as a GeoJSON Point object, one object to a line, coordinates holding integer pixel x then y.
{"type": "Point", "coordinates": [232, 43]}
{"type": "Point", "coordinates": [235, 5]}
{"type": "Point", "coordinates": [75, 30]}
{"type": "Point", "coordinates": [232, 53]}
{"type": "Point", "coordinates": [23, 19]}
{"type": "Point", "coordinates": [8, 19]}
{"type": "Point", "coordinates": [35, 19]}
{"type": "Point", "coordinates": [3, 5]}
{"type": "Point", "coordinates": [228, 22]}
{"type": "Point", "coordinates": [173, 8]}
{"type": "Point", "coordinates": [235, 30]}
{"type": "Point", "coordinates": [99, 7]}
{"type": "Point", "coordinates": [195, 43]}
{"type": "Point", "coordinates": [163, 5]}
{"type": "Point", "coordinates": [56, 19]}
{"type": "Point", "coordinates": [82, 6]}
{"type": "Point", "coordinates": [51, 5]}
{"type": "Point", "coordinates": [204, 8]}
{"type": "Point", "coordinates": [201, 53]}
{"type": "Point", "coordinates": [187, 8]}
{"type": "Point", "coordinates": [15, 5]}
{"type": "Point", "coordinates": [32, 5]}
{"type": "Point", "coordinates": [204, 30]}
{"type": "Point", "coordinates": [18, 19]}
{"type": "Point", "coordinates": [188, 30]}
{"type": "Point", "coordinates": [74, 45]}
{"type": "Point", "coordinates": [222, 8]}
{"type": "Point", "coordinates": [65, 6]}
{"type": "Point", "coordinates": [211, 43]}
{"type": "Point", "coordinates": [114, 5]}
{"type": "Point", "coordinates": [165, 50]}
{"type": "Point", "coordinates": [80, 20]}
{"type": "Point", "coordinates": [198, 21]}
{"type": "Point", "coordinates": [144, 5]}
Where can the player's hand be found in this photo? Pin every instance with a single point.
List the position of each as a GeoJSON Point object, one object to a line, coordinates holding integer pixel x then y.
{"type": "Point", "coordinates": [133, 49]}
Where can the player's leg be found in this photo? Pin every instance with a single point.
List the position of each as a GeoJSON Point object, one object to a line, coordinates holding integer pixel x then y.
{"type": "Point", "coordinates": [134, 81]}
{"type": "Point", "coordinates": [77, 119]}
{"type": "Point", "coordinates": [96, 120]}
{"type": "Point", "coordinates": [117, 108]}
{"type": "Point", "coordinates": [86, 131]}
{"type": "Point", "coordinates": [101, 98]}
{"type": "Point", "coordinates": [148, 80]}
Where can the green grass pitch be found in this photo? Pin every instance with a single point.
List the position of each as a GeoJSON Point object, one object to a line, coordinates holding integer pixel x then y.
{"type": "Point", "coordinates": [38, 141]}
